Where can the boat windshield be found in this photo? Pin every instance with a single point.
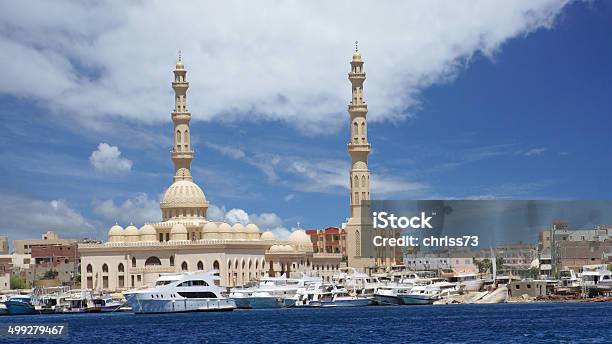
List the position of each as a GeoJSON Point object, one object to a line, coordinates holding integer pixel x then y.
{"type": "Point", "coordinates": [163, 282]}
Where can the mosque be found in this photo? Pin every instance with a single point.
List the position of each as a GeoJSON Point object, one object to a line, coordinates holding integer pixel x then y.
{"type": "Point", "coordinates": [186, 241]}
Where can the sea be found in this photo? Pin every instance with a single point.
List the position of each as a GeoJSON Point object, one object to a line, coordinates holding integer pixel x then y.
{"type": "Point", "coordinates": [497, 323]}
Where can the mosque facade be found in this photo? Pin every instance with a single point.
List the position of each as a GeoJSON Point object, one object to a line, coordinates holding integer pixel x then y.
{"type": "Point", "coordinates": [185, 240]}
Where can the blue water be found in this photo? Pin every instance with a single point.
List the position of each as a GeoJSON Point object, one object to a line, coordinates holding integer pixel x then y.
{"type": "Point", "coordinates": [503, 323]}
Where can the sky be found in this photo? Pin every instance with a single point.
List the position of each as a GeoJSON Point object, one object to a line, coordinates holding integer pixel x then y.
{"type": "Point", "coordinates": [467, 100]}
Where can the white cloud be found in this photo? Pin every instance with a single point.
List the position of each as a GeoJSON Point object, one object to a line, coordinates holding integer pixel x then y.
{"type": "Point", "coordinates": [23, 217]}
{"type": "Point", "coordinates": [108, 158]}
{"type": "Point", "coordinates": [277, 61]}
{"type": "Point", "coordinates": [289, 197]}
{"type": "Point", "coordinates": [137, 210]}
{"type": "Point", "coordinates": [265, 221]}
{"type": "Point", "coordinates": [237, 216]}
{"type": "Point", "coordinates": [535, 151]}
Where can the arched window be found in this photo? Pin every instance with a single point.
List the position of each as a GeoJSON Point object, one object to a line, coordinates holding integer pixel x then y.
{"type": "Point", "coordinates": [216, 265]}
{"type": "Point", "coordinates": [171, 260]}
{"type": "Point", "coordinates": [133, 262]}
{"type": "Point", "coordinates": [120, 268]}
{"type": "Point", "coordinates": [184, 266]}
{"type": "Point", "coordinates": [105, 268]}
{"type": "Point", "coordinates": [236, 264]}
{"type": "Point", "coordinates": [152, 261]}
{"type": "Point", "coordinates": [89, 268]}
{"type": "Point", "coordinates": [200, 265]}
{"type": "Point", "coordinates": [363, 181]}
{"type": "Point", "coordinates": [178, 136]}
{"type": "Point", "coordinates": [250, 264]}
{"type": "Point", "coordinates": [257, 265]}
{"type": "Point", "coordinates": [358, 243]}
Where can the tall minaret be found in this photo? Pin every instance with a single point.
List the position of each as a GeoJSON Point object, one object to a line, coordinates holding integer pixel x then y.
{"type": "Point", "coordinates": [181, 152]}
{"type": "Point", "coordinates": [358, 148]}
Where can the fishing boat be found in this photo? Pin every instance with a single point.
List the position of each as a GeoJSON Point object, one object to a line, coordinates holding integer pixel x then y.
{"type": "Point", "coordinates": [77, 301]}
{"type": "Point", "coordinates": [180, 292]}
{"type": "Point", "coordinates": [20, 305]}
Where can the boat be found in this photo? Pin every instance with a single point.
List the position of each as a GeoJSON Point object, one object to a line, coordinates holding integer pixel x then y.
{"type": "Point", "coordinates": [3, 310]}
{"type": "Point", "coordinates": [597, 276]}
{"type": "Point", "coordinates": [390, 294]}
{"type": "Point", "coordinates": [20, 305]}
{"type": "Point", "coordinates": [341, 298]}
{"type": "Point", "coordinates": [420, 295]}
{"type": "Point", "coordinates": [77, 301]}
{"type": "Point", "coordinates": [468, 281]}
{"type": "Point", "coordinates": [311, 293]}
{"type": "Point", "coordinates": [104, 303]}
{"type": "Point", "coordinates": [272, 292]}
{"type": "Point", "coordinates": [180, 292]}
{"type": "Point", "coordinates": [51, 300]}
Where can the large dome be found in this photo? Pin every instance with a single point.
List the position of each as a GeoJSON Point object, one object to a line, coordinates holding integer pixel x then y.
{"type": "Point", "coordinates": [183, 198]}
{"type": "Point", "coordinates": [184, 193]}
{"type": "Point", "coordinates": [299, 237]}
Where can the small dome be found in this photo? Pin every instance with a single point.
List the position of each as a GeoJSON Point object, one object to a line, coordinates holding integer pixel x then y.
{"type": "Point", "coordinates": [268, 236]}
{"type": "Point", "coordinates": [225, 228]}
{"type": "Point", "coordinates": [180, 65]}
{"type": "Point", "coordinates": [115, 230]}
{"type": "Point", "coordinates": [178, 228]}
{"type": "Point", "coordinates": [210, 227]}
{"type": "Point", "coordinates": [356, 56]}
{"type": "Point", "coordinates": [287, 248]}
{"type": "Point", "coordinates": [147, 230]}
{"type": "Point", "coordinates": [131, 230]}
{"type": "Point", "coordinates": [251, 228]}
{"type": "Point", "coordinates": [276, 248]}
{"type": "Point", "coordinates": [238, 228]}
{"type": "Point", "coordinates": [299, 237]}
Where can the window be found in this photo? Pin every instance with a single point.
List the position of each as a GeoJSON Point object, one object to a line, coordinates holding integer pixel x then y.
{"type": "Point", "coordinates": [197, 294]}
{"type": "Point", "coordinates": [104, 268]}
{"type": "Point", "coordinates": [89, 268]}
{"type": "Point", "coordinates": [200, 265]}
{"type": "Point", "coordinates": [120, 268]}
{"type": "Point", "coordinates": [184, 266]}
{"type": "Point", "coordinates": [152, 261]}
{"type": "Point", "coordinates": [133, 262]}
{"type": "Point", "coordinates": [171, 260]}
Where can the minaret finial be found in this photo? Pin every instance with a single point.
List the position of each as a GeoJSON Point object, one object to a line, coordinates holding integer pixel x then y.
{"type": "Point", "coordinates": [179, 55]}
{"type": "Point", "coordinates": [356, 46]}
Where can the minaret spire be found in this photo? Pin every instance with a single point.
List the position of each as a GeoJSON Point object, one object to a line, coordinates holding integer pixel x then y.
{"type": "Point", "coordinates": [358, 227]}
{"type": "Point", "coordinates": [358, 146]}
{"type": "Point", "coordinates": [182, 154]}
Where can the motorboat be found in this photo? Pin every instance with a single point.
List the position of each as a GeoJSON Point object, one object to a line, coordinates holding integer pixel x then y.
{"type": "Point", "coordinates": [104, 303]}
{"type": "Point", "coordinates": [51, 300]}
{"type": "Point", "coordinates": [272, 292]}
{"type": "Point", "coordinates": [180, 292]}
{"type": "Point", "coordinates": [21, 305]}
{"type": "Point", "coordinates": [357, 282]}
{"type": "Point", "coordinates": [310, 295]}
{"type": "Point", "coordinates": [341, 298]}
{"type": "Point", "coordinates": [390, 294]}
{"type": "Point", "coordinates": [468, 281]}
{"type": "Point", "coordinates": [3, 310]}
{"type": "Point", "coordinates": [77, 301]}
{"type": "Point", "coordinates": [597, 276]}
{"type": "Point", "coordinates": [420, 294]}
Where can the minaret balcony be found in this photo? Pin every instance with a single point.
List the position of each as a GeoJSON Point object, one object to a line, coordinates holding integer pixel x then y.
{"type": "Point", "coordinates": [363, 107]}
{"type": "Point", "coordinates": [181, 116]}
{"type": "Point", "coordinates": [359, 147]}
{"type": "Point", "coordinates": [180, 84]}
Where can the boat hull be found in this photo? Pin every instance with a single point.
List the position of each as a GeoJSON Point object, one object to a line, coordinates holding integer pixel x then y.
{"type": "Point", "coordinates": [387, 300]}
{"type": "Point", "coordinates": [345, 303]}
{"type": "Point", "coordinates": [417, 300]}
{"type": "Point", "coordinates": [142, 305]}
{"type": "Point", "coordinates": [19, 308]}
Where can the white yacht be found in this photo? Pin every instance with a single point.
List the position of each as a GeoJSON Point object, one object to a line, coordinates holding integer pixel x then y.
{"type": "Point", "coordinates": [341, 298]}
{"type": "Point", "coordinates": [468, 281]}
{"type": "Point", "coordinates": [597, 275]}
{"type": "Point", "coordinates": [391, 294]}
{"type": "Point", "coordinates": [272, 292]}
{"type": "Point", "coordinates": [180, 292]}
{"type": "Point", "coordinates": [420, 294]}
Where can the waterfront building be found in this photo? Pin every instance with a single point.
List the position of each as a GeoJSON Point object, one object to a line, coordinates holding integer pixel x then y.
{"type": "Point", "coordinates": [185, 240]}
{"type": "Point", "coordinates": [5, 272]}
{"type": "Point", "coordinates": [24, 246]}
{"type": "Point", "coordinates": [328, 240]}
{"type": "Point", "coordinates": [4, 244]}
{"type": "Point", "coordinates": [61, 259]}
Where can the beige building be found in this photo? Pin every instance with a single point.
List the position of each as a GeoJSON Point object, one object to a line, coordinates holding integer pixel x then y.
{"type": "Point", "coordinates": [24, 246]}
{"type": "Point", "coordinates": [4, 244]}
{"type": "Point", "coordinates": [185, 240]}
